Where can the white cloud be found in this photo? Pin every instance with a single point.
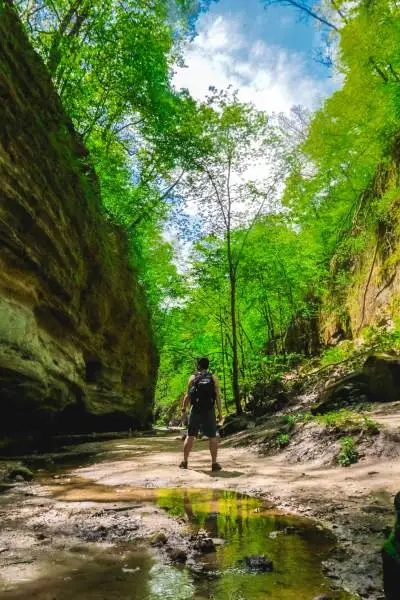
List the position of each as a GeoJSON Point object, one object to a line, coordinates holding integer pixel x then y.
{"type": "Point", "coordinates": [271, 77]}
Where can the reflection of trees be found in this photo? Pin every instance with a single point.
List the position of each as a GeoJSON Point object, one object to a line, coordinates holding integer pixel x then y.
{"type": "Point", "coordinates": [232, 516]}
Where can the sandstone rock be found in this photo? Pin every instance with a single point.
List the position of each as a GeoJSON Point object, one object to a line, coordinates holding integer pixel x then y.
{"type": "Point", "coordinates": [343, 392]}
{"type": "Point", "coordinates": [391, 558]}
{"type": "Point", "coordinates": [383, 372]}
{"type": "Point", "coordinates": [76, 350]}
{"type": "Point", "coordinates": [233, 424]}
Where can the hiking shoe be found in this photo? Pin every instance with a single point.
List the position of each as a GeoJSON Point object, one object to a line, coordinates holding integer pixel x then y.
{"type": "Point", "coordinates": [183, 464]}
{"type": "Point", "coordinates": [216, 467]}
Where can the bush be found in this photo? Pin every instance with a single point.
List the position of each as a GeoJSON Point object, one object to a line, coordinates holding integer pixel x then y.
{"type": "Point", "coordinates": [282, 440]}
{"type": "Point", "coordinates": [348, 454]}
{"type": "Point", "coordinates": [338, 353]}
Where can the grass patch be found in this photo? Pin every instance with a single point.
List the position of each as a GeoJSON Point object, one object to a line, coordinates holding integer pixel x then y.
{"type": "Point", "coordinates": [348, 421]}
{"type": "Point", "coordinates": [348, 454]}
{"type": "Point", "coordinates": [299, 417]}
{"type": "Point", "coordinates": [338, 353]}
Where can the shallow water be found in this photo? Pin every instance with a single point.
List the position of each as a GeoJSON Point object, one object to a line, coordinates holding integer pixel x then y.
{"type": "Point", "coordinates": [241, 524]}
{"type": "Point", "coordinates": [247, 530]}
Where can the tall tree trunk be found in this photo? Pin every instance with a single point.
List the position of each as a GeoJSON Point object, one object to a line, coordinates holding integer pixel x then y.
{"type": "Point", "coordinates": [235, 362]}
{"type": "Point", "coordinates": [223, 357]}
{"type": "Point", "coordinates": [232, 282]}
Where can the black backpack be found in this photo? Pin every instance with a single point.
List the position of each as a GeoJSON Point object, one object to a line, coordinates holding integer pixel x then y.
{"type": "Point", "coordinates": [202, 391]}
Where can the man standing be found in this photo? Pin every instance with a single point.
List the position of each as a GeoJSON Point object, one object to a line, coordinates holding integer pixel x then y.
{"type": "Point", "coordinates": [203, 392]}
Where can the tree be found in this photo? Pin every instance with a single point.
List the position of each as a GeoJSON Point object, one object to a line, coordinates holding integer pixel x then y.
{"type": "Point", "coordinates": [228, 191]}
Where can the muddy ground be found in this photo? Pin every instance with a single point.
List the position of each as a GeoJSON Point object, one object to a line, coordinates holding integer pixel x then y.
{"type": "Point", "coordinates": [106, 499]}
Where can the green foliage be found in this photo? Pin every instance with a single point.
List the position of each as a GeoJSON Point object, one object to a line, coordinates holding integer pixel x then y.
{"type": "Point", "coordinates": [112, 64]}
{"type": "Point", "coordinates": [259, 271]}
{"type": "Point", "coordinates": [282, 440]}
{"type": "Point", "coordinates": [338, 353]}
{"type": "Point", "coordinates": [392, 546]}
{"type": "Point", "coordinates": [299, 417]}
{"type": "Point", "coordinates": [347, 421]}
{"type": "Point", "coordinates": [348, 454]}
{"type": "Point", "coordinates": [382, 338]}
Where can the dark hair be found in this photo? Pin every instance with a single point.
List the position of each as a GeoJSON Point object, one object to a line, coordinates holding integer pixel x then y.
{"type": "Point", "coordinates": [203, 363]}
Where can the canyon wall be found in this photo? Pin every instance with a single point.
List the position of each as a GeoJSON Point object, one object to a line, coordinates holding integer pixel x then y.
{"type": "Point", "coordinates": [372, 295]}
{"type": "Point", "coordinates": [76, 349]}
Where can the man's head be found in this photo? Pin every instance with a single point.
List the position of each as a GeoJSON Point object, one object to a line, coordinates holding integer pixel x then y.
{"type": "Point", "coordinates": [202, 364]}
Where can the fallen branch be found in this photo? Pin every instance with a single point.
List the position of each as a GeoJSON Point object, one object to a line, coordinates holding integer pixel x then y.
{"type": "Point", "coordinates": [119, 509]}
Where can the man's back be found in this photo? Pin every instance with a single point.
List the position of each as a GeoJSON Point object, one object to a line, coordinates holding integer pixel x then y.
{"type": "Point", "coordinates": [202, 390]}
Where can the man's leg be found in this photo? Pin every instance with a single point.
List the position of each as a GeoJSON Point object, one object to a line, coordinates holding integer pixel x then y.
{"type": "Point", "coordinates": [210, 430]}
{"type": "Point", "coordinates": [193, 429]}
{"type": "Point", "coordinates": [187, 447]}
{"type": "Point", "coordinates": [213, 443]}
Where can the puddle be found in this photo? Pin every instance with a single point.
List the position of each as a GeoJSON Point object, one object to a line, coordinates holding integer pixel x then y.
{"type": "Point", "coordinates": [242, 526]}
{"type": "Point", "coordinates": [295, 545]}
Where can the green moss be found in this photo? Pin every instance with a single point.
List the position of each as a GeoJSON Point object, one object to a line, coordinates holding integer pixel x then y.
{"type": "Point", "coordinates": [348, 421]}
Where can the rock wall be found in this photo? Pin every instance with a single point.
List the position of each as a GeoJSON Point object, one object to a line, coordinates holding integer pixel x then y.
{"type": "Point", "coordinates": [76, 350]}
{"type": "Point", "coordinates": [373, 294]}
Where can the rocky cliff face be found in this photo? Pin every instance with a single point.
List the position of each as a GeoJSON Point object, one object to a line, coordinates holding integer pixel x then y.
{"type": "Point", "coordinates": [373, 294]}
{"type": "Point", "coordinates": [75, 344]}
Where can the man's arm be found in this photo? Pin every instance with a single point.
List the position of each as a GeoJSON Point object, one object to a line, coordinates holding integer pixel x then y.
{"type": "Point", "coordinates": [186, 396]}
{"type": "Point", "coordinates": [218, 397]}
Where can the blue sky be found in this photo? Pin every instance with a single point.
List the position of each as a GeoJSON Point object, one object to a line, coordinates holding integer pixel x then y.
{"type": "Point", "coordinates": [267, 54]}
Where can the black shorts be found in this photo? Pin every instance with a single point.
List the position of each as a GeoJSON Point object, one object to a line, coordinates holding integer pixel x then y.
{"type": "Point", "coordinates": [203, 421]}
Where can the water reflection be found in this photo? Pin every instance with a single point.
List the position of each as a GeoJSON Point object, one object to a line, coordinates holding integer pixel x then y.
{"type": "Point", "coordinates": [123, 572]}
{"type": "Point", "coordinates": [296, 547]}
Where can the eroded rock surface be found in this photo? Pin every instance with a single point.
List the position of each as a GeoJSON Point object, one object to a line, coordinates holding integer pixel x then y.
{"type": "Point", "coordinates": [76, 351]}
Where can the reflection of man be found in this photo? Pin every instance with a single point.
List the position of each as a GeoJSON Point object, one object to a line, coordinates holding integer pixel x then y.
{"type": "Point", "coordinates": [187, 507]}
{"type": "Point", "coordinates": [203, 393]}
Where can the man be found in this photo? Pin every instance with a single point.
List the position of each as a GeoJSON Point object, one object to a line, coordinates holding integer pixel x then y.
{"type": "Point", "coordinates": [203, 392]}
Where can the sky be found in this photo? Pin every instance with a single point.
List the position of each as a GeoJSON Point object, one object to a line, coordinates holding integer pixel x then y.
{"type": "Point", "coordinates": [267, 54]}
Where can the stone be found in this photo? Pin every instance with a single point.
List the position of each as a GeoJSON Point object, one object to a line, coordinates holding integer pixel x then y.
{"type": "Point", "coordinates": [20, 473]}
{"type": "Point", "coordinates": [351, 389]}
{"type": "Point", "coordinates": [158, 539]}
{"type": "Point", "coordinates": [233, 424]}
{"type": "Point", "coordinates": [76, 347]}
{"type": "Point", "coordinates": [203, 543]}
{"type": "Point", "coordinates": [383, 371]}
{"type": "Point", "coordinates": [261, 564]}
{"type": "Point", "coordinates": [291, 530]}
{"type": "Point", "coordinates": [177, 555]}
